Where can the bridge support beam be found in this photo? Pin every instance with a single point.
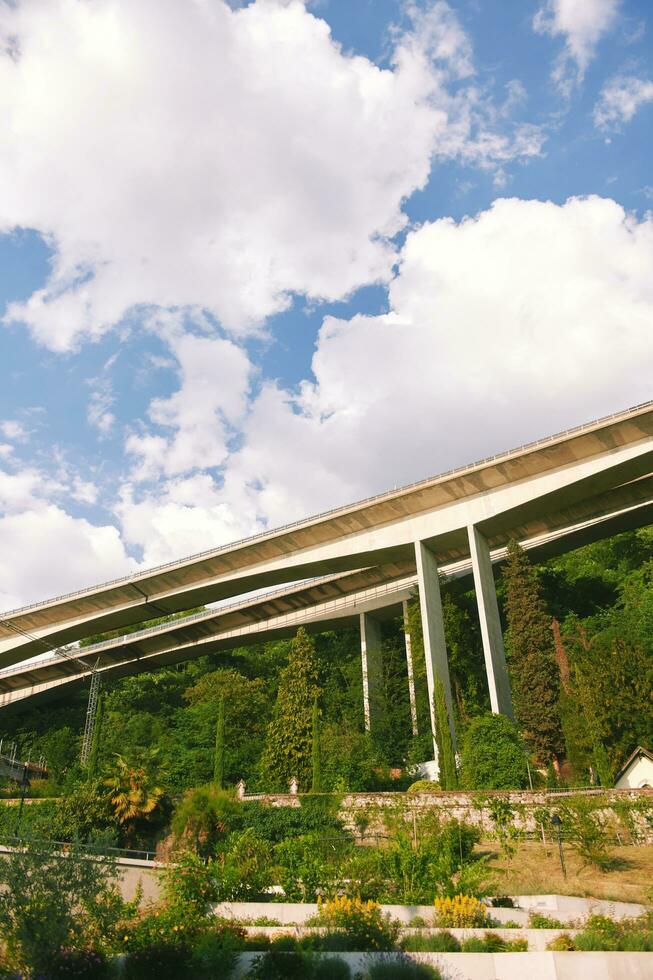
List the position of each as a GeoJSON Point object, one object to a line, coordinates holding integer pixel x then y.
{"type": "Point", "coordinates": [435, 648]}
{"type": "Point", "coordinates": [411, 672]}
{"type": "Point", "coordinates": [488, 613]}
{"type": "Point", "coordinates": [372, 664]}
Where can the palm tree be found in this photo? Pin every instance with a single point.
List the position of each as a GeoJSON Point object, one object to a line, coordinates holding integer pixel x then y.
{"type": "Point", "coordinates": [132, 793]}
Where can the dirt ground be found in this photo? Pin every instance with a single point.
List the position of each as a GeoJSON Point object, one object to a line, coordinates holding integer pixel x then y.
{"type": "Point", "coordinates": [535, 869]}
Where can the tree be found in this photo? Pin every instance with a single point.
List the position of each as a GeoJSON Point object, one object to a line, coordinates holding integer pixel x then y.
{"type": "Point", "coordinates": [203, 817]}
{"type": "Point", "coordinates": [43, 894]}
{"type": "Point", "coordinates": [531, 657]}
{"type": "Point", "coordinates": [218, 761]}
{"type": "Point", "coordinates": [316, 785]}
{"type": "Point", "coordinates": [493, 754]}
{"type": "Point", "coordinates": [132, 793]}
{"type": "Point", "coordinates": [288, 748]}
{"type": "Point", "coordinates": [446, 757]}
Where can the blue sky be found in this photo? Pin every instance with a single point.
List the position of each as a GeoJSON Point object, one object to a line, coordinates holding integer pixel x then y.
{"type": "Point", "coordinates": [263, 258]}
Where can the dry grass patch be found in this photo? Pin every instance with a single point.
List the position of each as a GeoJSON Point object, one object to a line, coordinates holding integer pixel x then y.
{"type": "Point", "coordinates": [534, 869]}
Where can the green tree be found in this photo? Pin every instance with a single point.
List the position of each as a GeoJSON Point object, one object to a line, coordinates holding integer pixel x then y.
{"type": "Point", "coordinates": [44, 896]}
{"type": "Point", "coordinates": [288, 748]}
{"type": "Point", "coordinates": [531, 657]}
{"type": "Point", "coordinates": [218, 761]}
{"type": "Point", "coordinates": [133, 794]}
{"type": "Point", "coordinates": [493, 754]}
{"type": "Point", "coordinates": [203, 817]}
{"type": "Point", "coordinates": [317, 783]}
{"type": "Point", "coordinates": [446, 756]}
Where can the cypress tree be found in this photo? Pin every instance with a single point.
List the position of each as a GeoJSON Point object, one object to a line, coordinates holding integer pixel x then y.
{"type": "Point", "coordinates": [317, 785]}
{"type": "Point", "coordinates": [532, 663]}
{"type": "Point", "coordinates": [446, 755]}
{"type": "Point", "coordinates": [218, 758]}
{"type": "Point", "coordinates": [289, 741]}
{"type": "Point", "coordinates": [97, 738]}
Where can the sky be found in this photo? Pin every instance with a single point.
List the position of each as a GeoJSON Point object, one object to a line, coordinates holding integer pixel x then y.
{"type": "Point", "coordinates": [259, 259]}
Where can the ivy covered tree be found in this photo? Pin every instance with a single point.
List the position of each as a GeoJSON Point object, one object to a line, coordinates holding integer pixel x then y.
{"type": "Point", "coordinates": [218, 759]}
{"type": "Point", "coordinates": [493, 754]}
{"type": "Point", "coordinates": [317, 784]}
{"type": "Point", "coordinates": [289, 742]}
{"type": "Point", "coordinates": [534, 673]}
{"type": "Point", "coordinates": [446, 755]}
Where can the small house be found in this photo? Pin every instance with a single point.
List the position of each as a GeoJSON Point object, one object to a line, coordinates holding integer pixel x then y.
{"type": "Point", "coordinates": [637, 771]}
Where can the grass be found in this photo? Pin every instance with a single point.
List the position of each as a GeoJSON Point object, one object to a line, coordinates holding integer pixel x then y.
{"type": "Point", "coordinates": [534, 869]}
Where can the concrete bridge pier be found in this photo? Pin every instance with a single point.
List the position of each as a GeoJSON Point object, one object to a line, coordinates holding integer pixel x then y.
{"type": "Point", "coordinates": [411, 671]}
{"type": "Point", "coordinates": [488, 613]}
{"type": "Point", "coordinates": [371, 659]}
{"type": "Point", "coordinates": [435, 648]}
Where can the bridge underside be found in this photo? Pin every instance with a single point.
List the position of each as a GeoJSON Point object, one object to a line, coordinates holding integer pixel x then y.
{"type": "Point", "coordinates": [552, 496]}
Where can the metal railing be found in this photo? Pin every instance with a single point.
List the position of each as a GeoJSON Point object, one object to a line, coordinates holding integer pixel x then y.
{"type": "Point", "coordinates": [342, 509]}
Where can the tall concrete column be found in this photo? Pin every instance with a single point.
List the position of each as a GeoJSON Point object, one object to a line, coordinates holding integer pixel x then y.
{"type": "Point", "coordinates": [435, 648]}
{"type": "Point", "coordinates": [411, 672]}
{"type": "Point", "coordinates": [488, 614]}
{"type": "Point", "coordinates": [371, 663]}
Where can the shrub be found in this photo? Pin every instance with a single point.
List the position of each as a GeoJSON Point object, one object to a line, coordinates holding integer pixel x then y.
{"type": "Point", "coordinates": [439, 942]}
{"type": "Point", "coordinates": [401, 968]}
{"type": "Point", "coordinates": [363, 924]}
{"type": "Point", "coordinates": [628, 935]}
{"type": "Point", "coordinates": [77, 964]}
{"type": "Point", "coordinates": [277, 965]}
{"type": "Point", "coordinates": [216, 953]}
{"type": "Point", "coordinates": [561, 944]}
{"type": "Point", "coordinates": [538, 921]}
{"type": "Point", "coordinates": [502, 902]}
{"type": "Point", "coordinates": [158, 960]}
{"type": "Point", "coordinates": [331, 968]}
{"type": "Point", "coordinates": [461, 912]}
{"type": "Point", "coordinates": [493, 754]}
{"type": "Point", "coordinates": [423, 786]}
{"type": "Point", "coordinates": [204, 816]}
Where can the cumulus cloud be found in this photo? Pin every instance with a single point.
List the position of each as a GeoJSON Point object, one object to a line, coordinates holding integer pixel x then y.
{"type": "Point", "coordinates": [621, 97]}
{"type": "Point", "coordinates": [202, 414]}
{"type": "Point", "coordinates": [582, 24]}
{"type": "Point", "coordinates": [175, 153]}
{"type": "Point", "coordinates": [504, 327]}
{"type": "Point", "coordinates": [46, 551]}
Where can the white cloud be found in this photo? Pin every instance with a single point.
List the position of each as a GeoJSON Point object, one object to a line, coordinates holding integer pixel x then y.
{"type": "Point", "coordinates": [11, 429]}
{"type": "Point", "coordinates": [47, 552]}
{"type": "Point", "coordinates": [582, 24]}
{"type": "Point", "coordinates": [620, 99]}
{"type": "Point", "coordinates": [184, 153]}
{"type": "Point", "coordinates": [183, 517]}
{"type": "Point", "coordinates": [524, 320]}
{"type": "Point", "coordinates": [215, 377]}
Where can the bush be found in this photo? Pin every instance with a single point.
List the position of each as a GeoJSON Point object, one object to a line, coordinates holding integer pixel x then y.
{"type": "Point", "coordinates": [493, 754]}
{"type": "Point", "coordinates": [204, 816]}
{"type": "Point", "coordinates": [423, 786]}
{"type": "Point", "coordinates": [401, 968]}
{"type": "Point", "coordinates": [628, 935]}
{"type": "Point", "coordinates": [77, 964]}
{"type": "Point", "coordinates": [362, 923]}
{"type": "Point", "coordinates": [158, 960]}
{"type": "Point", "coordinates": [331, 968]}
{"type": "Point", "coordinates": [460, 912]}
{"type": "Point", "coordinates": [561, 944]}
{"type": "Point", "coordinates": [216, 954]}
{"type": "Point", "coordinates": [277, 965]}
{"type": "Point", "coordinates": [439, 942]}
{"type": "Point", "coordinates": [538, 921]}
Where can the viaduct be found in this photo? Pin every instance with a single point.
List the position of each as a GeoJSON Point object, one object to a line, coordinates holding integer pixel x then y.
{"type": "Point", "coordinates": [352, 565]}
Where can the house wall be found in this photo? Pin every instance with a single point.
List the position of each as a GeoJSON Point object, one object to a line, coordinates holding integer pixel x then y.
{"type": "Point", "coordinates": [638, 774]}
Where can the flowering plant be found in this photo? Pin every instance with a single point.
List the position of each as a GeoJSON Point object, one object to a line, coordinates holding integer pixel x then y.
{"type": "Point", "coordinates": [363, 923]}
{"type": "Point", "coordinates": [461, 911]}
